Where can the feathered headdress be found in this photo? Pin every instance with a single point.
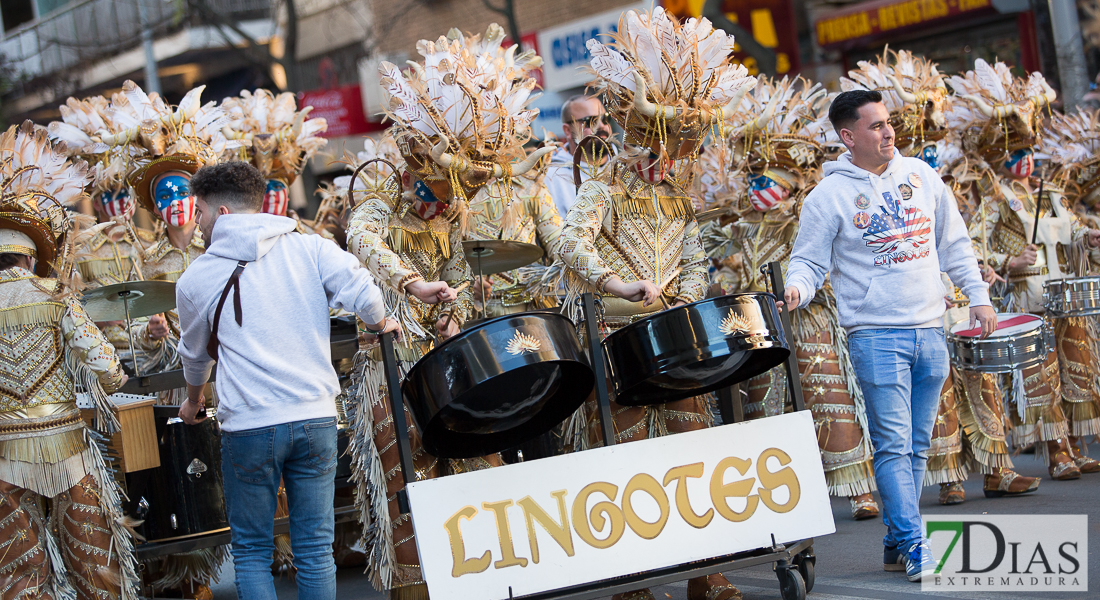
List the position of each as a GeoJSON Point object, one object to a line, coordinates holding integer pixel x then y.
{"type": "Point", "coordinates": [37, 182]}
{"type": "Point", "coordinates": [913, 91]}
{"type": "Point", "coordinates": [1073, 144]}
{"type": "Point", "coordinates": [460, 117]}
{"type": "Point", "coordinates": [78, 135]}
{"type": "Point", "coordinates": [997, 113]}
{"type": "Point", "coordinates": [667, 82]}
{"type": "Point", "coordinates": [277, 138]}
{"type": "Point", "coordinates": [166, 139]}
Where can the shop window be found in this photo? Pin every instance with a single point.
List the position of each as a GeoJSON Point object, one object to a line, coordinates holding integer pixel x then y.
{"type": "Point", "coordinates": [14, 13]}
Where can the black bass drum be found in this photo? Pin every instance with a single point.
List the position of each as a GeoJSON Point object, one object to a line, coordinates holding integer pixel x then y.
{"type": "Point", "coordinates": [499, 383]}
{"type": "Point", "coordinates": [182, 497]}
{"type": "Point", "coordinates": [695, 348]}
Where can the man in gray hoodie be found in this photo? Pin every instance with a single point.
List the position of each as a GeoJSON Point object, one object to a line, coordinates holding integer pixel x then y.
{"type": "Point", "coordinates": [883, 227]}
{"type": "Point", "coordinates": [276, 384]}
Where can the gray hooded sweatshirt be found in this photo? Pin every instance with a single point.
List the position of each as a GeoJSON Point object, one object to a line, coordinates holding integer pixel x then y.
{"type": "Point", "coordinates": [884, 239]}
{"type": "Point", "coordinates": [276, 367]}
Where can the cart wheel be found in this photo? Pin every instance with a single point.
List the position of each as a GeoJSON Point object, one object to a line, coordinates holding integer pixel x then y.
{"type": "Point", "coordinates": [806, 569]}
{"type": "Point", "coordinates": [791, 585]}
{"type": "Point", "coordinates": [806, 562]}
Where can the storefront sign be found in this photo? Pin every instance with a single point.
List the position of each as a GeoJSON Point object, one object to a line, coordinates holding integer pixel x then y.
{"type": "Point", "coordinates": [563, 49]}
{"type": "Point", "coordinates": [341, 107]}
{"type": "Point", "coordinates": [568, 520]}
{"type": "Point", "coordinates": [771, 22]}
{"type": "Point", "coordinates": [869, 19]}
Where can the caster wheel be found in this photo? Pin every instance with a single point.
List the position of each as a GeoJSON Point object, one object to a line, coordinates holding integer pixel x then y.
{"type": "Point", "coordinates": [791, 584]}
{"type": "Point", "coordinates": [806, 561]}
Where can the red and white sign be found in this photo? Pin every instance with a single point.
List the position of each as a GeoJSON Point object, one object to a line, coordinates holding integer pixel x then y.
{"type": "Point", "coordinates": [342, 108]}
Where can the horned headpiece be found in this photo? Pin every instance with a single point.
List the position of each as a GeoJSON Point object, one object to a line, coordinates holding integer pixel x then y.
{"type": "Point", "coordinates": [997, 113]}
{"type": "Point", "coordinates": [278, 138]}
{"type": "Point", "coordinates": [460, 116]}
{"type": "Point", "coordinates": [665, 82]}
{"type": "Point", "coordinates": [913, 91]}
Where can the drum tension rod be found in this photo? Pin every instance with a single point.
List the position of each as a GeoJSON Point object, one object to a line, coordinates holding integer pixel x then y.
{"type": "Point", "coordinates": [595, 353]}
{"type": "Point", "coordinates": [774, 272]}
{"type": "Point", "coordinates": [400, 425]}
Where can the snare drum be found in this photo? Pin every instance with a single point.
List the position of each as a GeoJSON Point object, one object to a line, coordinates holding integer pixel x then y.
{"type": "Point", "coordinates": [1077, 297]}
{"type": "Point", "coordinates": [1021, 340]}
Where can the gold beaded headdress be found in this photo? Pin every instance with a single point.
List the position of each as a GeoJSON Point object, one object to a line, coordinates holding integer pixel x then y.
{"type": "Point", "coordinates": [460, 116]}
{"type": "Point", "coordinates": [914, 93]}
{"type": "Point", "coordinates": [997, 113]}
{"type": "Point", "coordinates": [1073, 144]}
{"type": "Point", "coordinates": [278, 139]}
{"type": "Point", "coordinates": [37, 182]}
{"type": "Point", "coordinates": [665, 82]}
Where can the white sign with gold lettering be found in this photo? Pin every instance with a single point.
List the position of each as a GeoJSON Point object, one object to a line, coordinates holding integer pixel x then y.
{"type": "Point", "coordinates": [568, 520]}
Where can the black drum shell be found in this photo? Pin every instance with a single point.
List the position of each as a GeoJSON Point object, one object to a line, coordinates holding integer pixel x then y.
{"type": "Point", "coordinates": [196, 498]}
{"type": "Point", "coordinates": [695, 348]}
{"type": "Point", "coordinates": [465, 395]}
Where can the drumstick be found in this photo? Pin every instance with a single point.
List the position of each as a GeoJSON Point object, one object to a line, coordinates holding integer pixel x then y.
{"type": "Point", "coordinates": [1038, 207]}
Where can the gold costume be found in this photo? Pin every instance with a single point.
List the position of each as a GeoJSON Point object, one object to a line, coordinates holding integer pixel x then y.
{"type": "Point", "coordinates": [48, 347]}
{"type": "Point", "coordinates": [521, 211]}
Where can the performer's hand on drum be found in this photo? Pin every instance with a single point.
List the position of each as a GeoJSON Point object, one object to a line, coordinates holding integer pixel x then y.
{"type": "Point", "coordinates": [446, 327]}
{"type": "Point", "coordinates": [483, 288]}
{"type": "Point", "coordinates": [432, 292]}
{"type": "Point", "coordinates": [986, 316]}
{"type": "Point", "coordinates": [642, 291]}
{"type": "Point", "coordinates": [791, 297]}
{"type": "Point", "coordinates": [1025, 259]}
{"type": "Point", "coordinates": [157, 328]}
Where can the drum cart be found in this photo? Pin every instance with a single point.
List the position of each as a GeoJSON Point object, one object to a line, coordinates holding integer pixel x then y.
{"type": "Point", "coordinates": [794, 561]}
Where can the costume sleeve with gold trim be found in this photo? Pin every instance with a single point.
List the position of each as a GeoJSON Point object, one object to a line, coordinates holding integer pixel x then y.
{"type": "Point", "coordinates": [367, 234]}
{"type": "Point", "coordinates": [90, 347]}
{"type": "Point", "coordinates": [694, 278]}
{"type": "Point", "coordinates": [577, 245]}
{"type": "Point", "coordinates": [548, 223]}
{"type": "Point", "coordinates": [455, 272]}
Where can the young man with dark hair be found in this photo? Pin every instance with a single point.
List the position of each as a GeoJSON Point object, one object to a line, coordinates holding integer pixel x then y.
{"type": "Point", "coordinates": [276, 385]}
{"type": "Point", "coordinates": [883, 227]}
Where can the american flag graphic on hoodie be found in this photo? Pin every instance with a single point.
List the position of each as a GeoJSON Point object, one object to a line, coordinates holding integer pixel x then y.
{"type": "Point", "coordinates": [896, 227]}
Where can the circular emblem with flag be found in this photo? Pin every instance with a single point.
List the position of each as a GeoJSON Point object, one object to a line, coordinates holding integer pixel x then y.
{"type": "Point", "coordinates": [861, 220]}
{"type": "Point", "coordinates": [905, 191]}
{"type": "Point", "coordinates": [915, 180]}
{"type": "Point", "coordinates": [1015, 204]}
{"type": "Point", "coordinates": [897, 228]}
{"type": "Point", "coordinates": [862, 201]}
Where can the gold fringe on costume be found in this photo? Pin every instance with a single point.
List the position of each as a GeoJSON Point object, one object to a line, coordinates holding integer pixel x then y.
{"type": "Point", "coordinates": [368, 475]}
{"type": "Point", "coordinates": [30, 315]}
{"type": "Point", "coordinates": [402, 241]}
{"type": "Point", "coordinates": [672, 207]}
{"type": "Point", "coordinates": [989, 451]}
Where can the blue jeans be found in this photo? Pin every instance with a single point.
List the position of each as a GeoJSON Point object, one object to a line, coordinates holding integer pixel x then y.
{"type": "Point", "coordinates": [901, 373]}
{"type": "Point", "coordinates": [303, 455]}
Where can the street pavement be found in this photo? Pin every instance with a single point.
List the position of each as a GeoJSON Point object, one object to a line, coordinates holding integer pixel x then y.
{"type": "Point", "coordinates": [848, 561]}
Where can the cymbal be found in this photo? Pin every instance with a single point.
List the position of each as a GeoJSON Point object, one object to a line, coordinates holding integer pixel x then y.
{"type": "Point", "coordinates": [498, 256]}
{"type": "Point", "coordinates": [146, 298]}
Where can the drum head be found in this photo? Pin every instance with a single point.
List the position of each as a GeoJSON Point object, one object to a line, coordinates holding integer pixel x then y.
{"type": "Point", "coordinates": [500, 383]}
{"type": "Point", "coordinates": [1008, 324]}
{"type": "Point", "coordinates": [695, 349]}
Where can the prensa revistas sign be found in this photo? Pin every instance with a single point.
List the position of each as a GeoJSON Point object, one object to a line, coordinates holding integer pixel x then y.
{"type": "Point", "coordinates": [568, 520]}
